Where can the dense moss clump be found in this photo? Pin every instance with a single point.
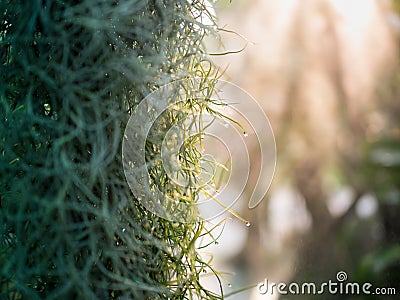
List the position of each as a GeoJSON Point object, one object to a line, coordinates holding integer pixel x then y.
{"type": "Point", "coordinates": [71, 73]}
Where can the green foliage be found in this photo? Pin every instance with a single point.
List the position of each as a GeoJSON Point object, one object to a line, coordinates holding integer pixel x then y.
{"type": "Point", "coordinates": [375, 266]}
{"type": "Point", "coordinates": [71, 72]}
{"type": "Point", "coordinates": [380, 175]}
{"type": "Point", "coordinates": [396, 5]}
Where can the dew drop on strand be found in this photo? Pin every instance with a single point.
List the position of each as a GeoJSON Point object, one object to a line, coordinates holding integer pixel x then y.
{"type": "Point", "coordinates": [245, 134]}
{"type": "Point", "coordinates": [248, 224]}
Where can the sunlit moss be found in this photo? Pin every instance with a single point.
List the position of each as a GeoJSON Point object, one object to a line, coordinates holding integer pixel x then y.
{"type": "Point", "coordinates": [71, 73]}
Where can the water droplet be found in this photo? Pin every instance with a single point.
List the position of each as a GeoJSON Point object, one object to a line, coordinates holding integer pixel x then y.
{"type": "Point", "coordinates": [204, 271]}
{"type": "Point", "coordinates": [229, 285]}
{"type": "Point", "coordinates": [245, 134]}
{"type": "Point", "coordinates": [123, 229]}
{"type": "Point", "coordinates": [216, 243]}
{"type": "Point", "coordinates": [226, 125]}
{"type": "Point", "coordinates": [248, 224]}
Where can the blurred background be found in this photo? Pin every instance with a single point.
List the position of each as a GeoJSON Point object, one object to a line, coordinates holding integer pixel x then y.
{"type": "Point", "coordinates": [326, 73]}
